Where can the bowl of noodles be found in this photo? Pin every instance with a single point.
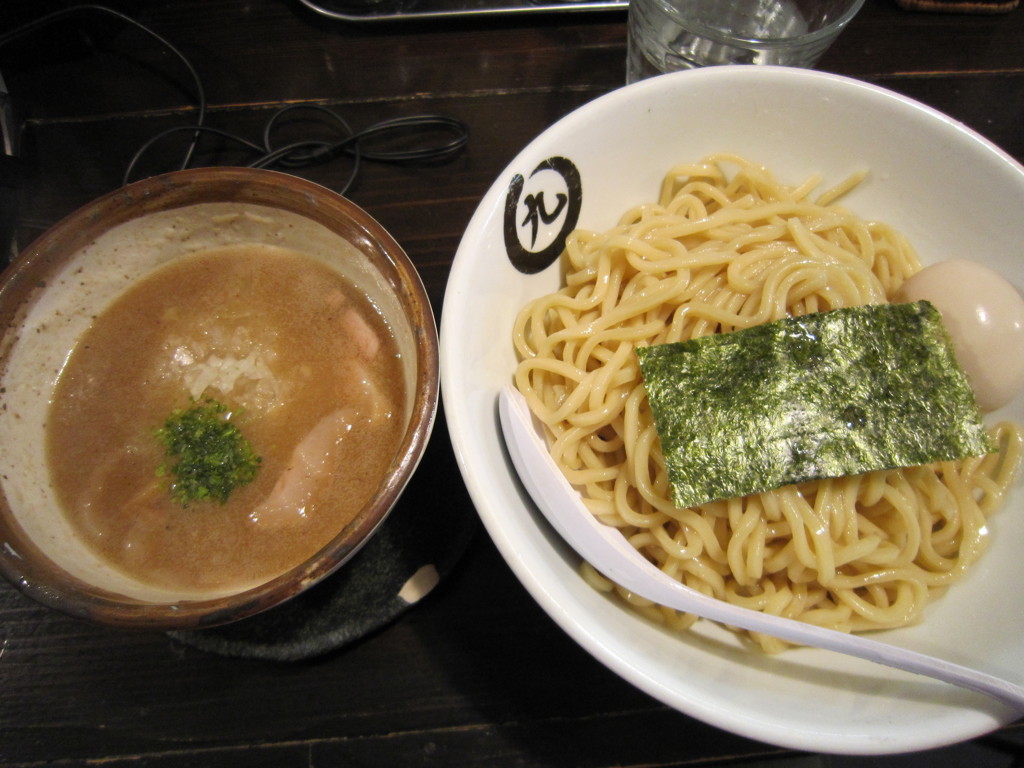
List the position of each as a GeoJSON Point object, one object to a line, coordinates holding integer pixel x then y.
{"type": "Point", "coordinates": [707, 202]}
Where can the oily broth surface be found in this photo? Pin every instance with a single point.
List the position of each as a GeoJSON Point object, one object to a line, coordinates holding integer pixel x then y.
{"type": "Point", "coordinates": [277, 337]}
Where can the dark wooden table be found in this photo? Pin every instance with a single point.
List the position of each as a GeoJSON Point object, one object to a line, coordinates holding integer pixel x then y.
{"type": "Point", "coordinates": [476, 674]}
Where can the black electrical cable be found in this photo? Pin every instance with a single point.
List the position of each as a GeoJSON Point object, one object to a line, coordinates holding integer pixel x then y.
{"type": "Point", "coordinates": [301, 154]}
{"type": "Point", "coordinates": [57, 16]}
{"type": "Point", "coordinates": [297, 154]}
{"type": "Point", "coordinates": [317, 150]}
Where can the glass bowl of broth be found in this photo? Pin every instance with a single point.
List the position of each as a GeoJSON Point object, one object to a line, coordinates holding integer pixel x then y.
{"type": "Point", "coordinates": [217, 383]}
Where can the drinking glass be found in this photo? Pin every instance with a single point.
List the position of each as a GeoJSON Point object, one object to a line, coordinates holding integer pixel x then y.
{"type": "Point", "coordinates": [668, 35]}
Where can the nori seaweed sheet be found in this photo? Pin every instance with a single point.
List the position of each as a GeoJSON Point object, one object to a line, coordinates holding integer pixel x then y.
{"type": "Point", "coordinates": [828, 394]}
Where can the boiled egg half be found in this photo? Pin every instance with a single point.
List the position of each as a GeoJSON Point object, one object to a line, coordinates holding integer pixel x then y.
{"type": "Point", "coordinates": [984, 315]}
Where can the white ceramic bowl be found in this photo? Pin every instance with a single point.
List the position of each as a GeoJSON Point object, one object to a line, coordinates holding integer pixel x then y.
{"type": "Point", "coordinates": [950, 191]}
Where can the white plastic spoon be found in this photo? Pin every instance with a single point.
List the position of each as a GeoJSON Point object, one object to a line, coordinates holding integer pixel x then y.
{"type": "Point", "coordinates": [608, 551]}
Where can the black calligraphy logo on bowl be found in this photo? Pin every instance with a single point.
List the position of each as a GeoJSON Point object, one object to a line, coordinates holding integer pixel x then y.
{"type": "Point", "coordinates": [540, 211]}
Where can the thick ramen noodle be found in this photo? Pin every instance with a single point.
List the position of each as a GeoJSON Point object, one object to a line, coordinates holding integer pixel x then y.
{"type": "Point", "coordinates": [728, 247]}
{"type": "Point", "coordinates": [309, 370]}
